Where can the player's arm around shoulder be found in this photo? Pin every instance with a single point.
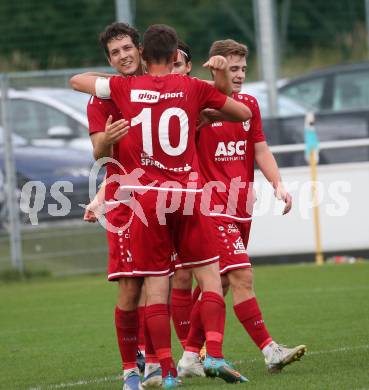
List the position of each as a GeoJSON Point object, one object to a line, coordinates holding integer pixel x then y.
{"type": "Point", "coordinates": [235, 111]}
{"type": "Point", "coordinates": [92, 83]}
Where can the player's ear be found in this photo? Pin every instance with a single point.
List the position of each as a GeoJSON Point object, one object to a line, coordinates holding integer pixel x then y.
{"type": "Point", "coordinates": [188, 67]}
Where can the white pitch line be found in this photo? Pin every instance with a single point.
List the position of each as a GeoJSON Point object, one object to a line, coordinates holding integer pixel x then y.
{"type": "Point", "coordinates": [119, 377]}
{"type": "Point", "coordinates": [79, 383]}
{"type": "Point", "coordinates": [342, 349]}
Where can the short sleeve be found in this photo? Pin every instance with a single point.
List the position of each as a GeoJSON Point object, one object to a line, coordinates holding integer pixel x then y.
{"type": "Point", "coordinates": [96, 115]}
{"type": "Point", "coordinates": [209, 96]}
{"type": "Point", "coordinates": [118, 86]}
{"type": "Point", "coordinates": [257, 133]}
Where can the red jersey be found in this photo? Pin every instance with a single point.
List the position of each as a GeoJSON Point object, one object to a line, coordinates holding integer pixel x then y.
{"type": "Point", "coordinates": [163, 112]}
{"type": "Point", "coordinates": [98, 111]}
{"type": "Point", "coordinates": [226, 153]}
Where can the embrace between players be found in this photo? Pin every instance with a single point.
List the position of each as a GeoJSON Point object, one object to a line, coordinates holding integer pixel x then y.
{"type": "Point", "coordinates": [178, 139]}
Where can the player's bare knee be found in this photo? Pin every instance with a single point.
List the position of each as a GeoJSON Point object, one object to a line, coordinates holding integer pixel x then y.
{"type": "Point", "coordinates": [129, 292]}
{"type": "Point", "coordinates": [242, 281]}
{"type": "Point", "coordinates": [157, 290]}
{"type": "Point", "coordinates": [182, 279]}
{"type": "Point", "coordinates": [225, 284]}
{"type": "Point", "coordinates": [208, 278]}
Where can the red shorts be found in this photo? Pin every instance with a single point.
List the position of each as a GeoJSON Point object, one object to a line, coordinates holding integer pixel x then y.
{"type": "Point", "coordinates": [120, 262]}
{"type": "Point", "coordinates": [233, 238]}
{"type": "Point", "coordinates": [192, 237]}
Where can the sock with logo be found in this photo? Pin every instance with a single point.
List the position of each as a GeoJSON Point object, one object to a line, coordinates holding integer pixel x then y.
{"type": "Point", "coordinates": [158, 324]}
{"type": "Point", "coordinates": [213, 314]}
{"type": "Point", "coordinates": [249, 314]}
{"type": "Point", "coordinates": [181, 306]}
{"type": "Point", "coordinates": [196, 335]}
{"type": "Point", "coordinates": [150, 355]}
{"type": "Point", "coordinates": [126, 324]}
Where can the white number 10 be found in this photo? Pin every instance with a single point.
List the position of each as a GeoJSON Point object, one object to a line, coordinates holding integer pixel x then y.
{"type": "Point", "coordinates": [144, 117]}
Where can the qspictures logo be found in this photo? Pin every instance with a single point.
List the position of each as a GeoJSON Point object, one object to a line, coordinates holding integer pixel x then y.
{"type": "Point", "coordinates": [127, 189]}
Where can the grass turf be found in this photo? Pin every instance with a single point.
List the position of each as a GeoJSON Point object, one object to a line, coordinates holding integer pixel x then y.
{"type": "Point", "coordinates": [58, 333]}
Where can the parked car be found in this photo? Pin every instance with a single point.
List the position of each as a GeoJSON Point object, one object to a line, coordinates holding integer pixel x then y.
{"type": "Point", "coordinates": [48, 165]}
{"type": "Point", "coordinates": [50, 117]}
{"type": "Point", "coordinates": [339, 97]}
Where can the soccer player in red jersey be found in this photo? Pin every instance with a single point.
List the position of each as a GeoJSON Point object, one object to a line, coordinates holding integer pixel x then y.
{"type": "Point", "coordinates": [227, 152]}
{"type": "Point", "coordinates": [107, 127]}
{"type": "Point", "coordinates": [181, 293]}
{"type": "Point", "coordinates": [162, 109]}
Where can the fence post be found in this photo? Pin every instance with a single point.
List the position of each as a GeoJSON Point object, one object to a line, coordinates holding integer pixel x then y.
{"type": "Point", "coordinates": [267, 40]}
{"type": "Point", "coordinates": [11, 181]}
{"type": "Point", "coordinates": [312, 157]}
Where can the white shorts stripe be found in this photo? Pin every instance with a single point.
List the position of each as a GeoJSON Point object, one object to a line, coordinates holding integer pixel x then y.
{"type": "Point", "coordinates": [196, 262]}
{"type": "Point", "coordinates": [161, 188]}
{"type": "Point", "coordinates": [139, 273]}
{"type": "Point", "coordinates": [240, 265]}
{"type": "Point", "coordinates": [231, 217]}
{"type": "Point", "coordinates": [117, 201]}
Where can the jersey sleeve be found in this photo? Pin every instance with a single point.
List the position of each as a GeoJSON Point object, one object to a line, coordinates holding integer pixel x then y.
{"type": "Point", "coordinates": [96, 115]}
{"type": "Point", "coordinates": [118, 86]}
{"type": "Point", "coordinates": [257, 133]}
{"type": "Point", "coordinates": [209, 96]}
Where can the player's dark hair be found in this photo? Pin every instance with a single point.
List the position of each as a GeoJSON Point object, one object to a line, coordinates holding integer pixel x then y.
{"type": "Point", "coordinates": [185, 49]}
{"type": "Point", "coordinates": [160, 42]}
{"type": "Point", "coordinates": [228, 47]}
{"type": "Point", "coordinates": [118, 30]}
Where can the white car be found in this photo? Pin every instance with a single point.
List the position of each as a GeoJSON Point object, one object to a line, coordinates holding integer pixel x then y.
{"type": "Point", "coordinates": [50, 117]}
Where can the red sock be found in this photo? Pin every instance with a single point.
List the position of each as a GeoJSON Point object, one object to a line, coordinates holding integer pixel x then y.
{"type": "Point", "coordinates": [141, 328]}
{"type": "Point", "coordinates": [158, 324]}
{"type": "Point", "coordinates": [181, 305]}
{"type": "Point", "coordinates": [196, 335]}
{"type": "Point", "coordinates": [195, 295]}
{"type": "Point", "coordinates": [249, 315]}
{"type": "Point", "coordinates": [126, 324]}
{"type": "Point", "coordinates": [213, 318]}
{"type": "Point", "coordinates": [150, 355]}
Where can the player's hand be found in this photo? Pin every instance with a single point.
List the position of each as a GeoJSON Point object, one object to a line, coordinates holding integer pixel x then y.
{"type": "Point", "coordinates": [216, 63]}
{"type": "Point", "coordinates": [114, 131]}
{"type": "Point", "coordinates": [281, 194]}
{"type": "Point", "coordinates": [93, 211]}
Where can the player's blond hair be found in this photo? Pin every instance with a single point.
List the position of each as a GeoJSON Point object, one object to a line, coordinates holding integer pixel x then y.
{"type": "Point", "coordinates": [228, 47]}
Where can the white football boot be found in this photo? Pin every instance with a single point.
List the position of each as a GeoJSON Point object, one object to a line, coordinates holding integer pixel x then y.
{"type": "Point", "coordinates": [278, 356]}
{"type": "Point", "coordinates": [189, 365]}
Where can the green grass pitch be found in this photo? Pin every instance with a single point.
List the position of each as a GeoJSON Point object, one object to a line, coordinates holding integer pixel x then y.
{"type": "Point", "coordinates": [58, 333]}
